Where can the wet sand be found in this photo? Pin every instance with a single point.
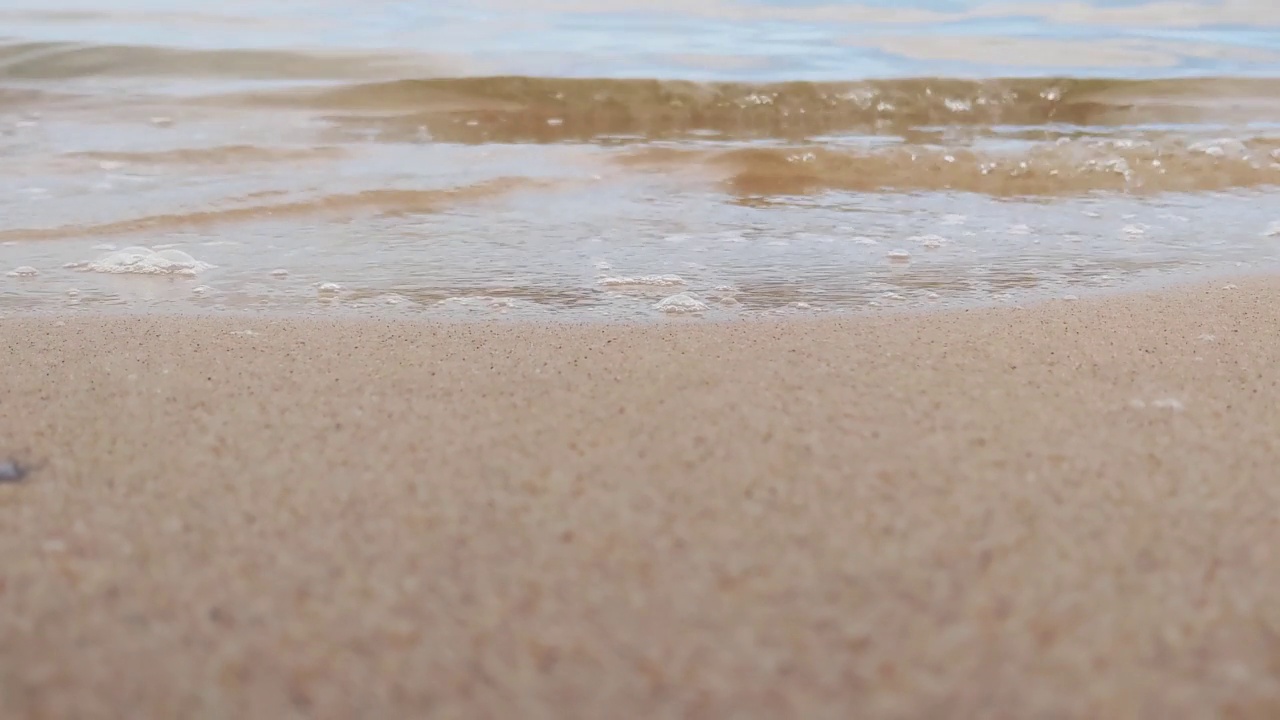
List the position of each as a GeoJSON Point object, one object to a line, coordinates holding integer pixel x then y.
{"type": "Point", "coordinates": [1062, 511]}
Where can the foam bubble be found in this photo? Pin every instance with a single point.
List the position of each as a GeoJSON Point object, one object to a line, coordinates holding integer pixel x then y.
{"type": "Point", "coordinates": [1220, 147]}
{"type": "Point", "coordinates": [681, 304]}
{"type": "Point", "coordinates": [138, 260]}
{"type": "Point", "coordinates": [861, 240]}
{"type": "Point", "coordinates": [279, 272]}
{"type": "Point", "coordinates": [329, 287]}
{"type": "Point", "coordinates": [930, 241]}
{"type": "Point", "coordinates": [644, 280]}
{"type": "Point", "coordinates": [500, 304]}
{"type": "Point", "coordinates": [24, 271]}
{"type": "Point", "coordinates": [898, 255]}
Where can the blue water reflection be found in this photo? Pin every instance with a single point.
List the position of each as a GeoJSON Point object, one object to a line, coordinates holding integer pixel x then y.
{"type": "Point", "coordinates": [708, 39]}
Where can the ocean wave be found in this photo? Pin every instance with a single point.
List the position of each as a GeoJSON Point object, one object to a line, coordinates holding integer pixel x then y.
{"type": "Point", "coordinates": [533, 109]}
{"type": "Point", "coordinates": [375, 202]}
{"type": "Point", "coordinates": [1064, 167]}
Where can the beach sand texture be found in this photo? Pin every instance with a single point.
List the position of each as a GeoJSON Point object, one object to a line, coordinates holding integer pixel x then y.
{"type": "Point", "coordinates": [1068, 510]}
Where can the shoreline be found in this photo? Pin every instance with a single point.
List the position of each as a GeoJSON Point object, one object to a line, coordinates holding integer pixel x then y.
{"type": "Point", "coordinates": [1202, 280]}
{"type": "Point", "coordinates": [1060, 510]}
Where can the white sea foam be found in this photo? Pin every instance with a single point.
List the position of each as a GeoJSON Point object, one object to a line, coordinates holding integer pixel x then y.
{"type": "Point", "coordinates": [681, 304]}
{"type": "Point", "coordinates": [478, 302]}
{"type": "Point", "coordinates": [930, 241]}
{"type": "Point", "coordinates": [899, 255]}
{"type": "Point", "coordinates": [138, 260]}
{"type": "Point", "coordinates": [644, 280]}
{"type": "Point", "coordinates": [1220, 147]}
{"type": "Point", "coordinates": [24, 271]}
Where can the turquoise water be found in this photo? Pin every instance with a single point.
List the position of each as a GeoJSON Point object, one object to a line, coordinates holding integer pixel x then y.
{"type": "Point", "coordinates": [567, 159]}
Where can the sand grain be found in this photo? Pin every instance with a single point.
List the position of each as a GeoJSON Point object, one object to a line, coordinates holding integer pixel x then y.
{"type": "Point", "coordinates": [949, 515]}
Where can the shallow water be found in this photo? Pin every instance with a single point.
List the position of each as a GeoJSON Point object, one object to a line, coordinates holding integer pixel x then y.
{"type": "Point", "coordinates": [553, 158]}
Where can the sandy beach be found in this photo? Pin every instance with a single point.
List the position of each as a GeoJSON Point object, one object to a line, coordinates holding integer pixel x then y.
{"type": "Point", "coordinates": [1067, 510]}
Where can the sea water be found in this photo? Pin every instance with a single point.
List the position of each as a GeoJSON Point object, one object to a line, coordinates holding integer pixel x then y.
{"type": "Point", "coordinates": [562, 159]}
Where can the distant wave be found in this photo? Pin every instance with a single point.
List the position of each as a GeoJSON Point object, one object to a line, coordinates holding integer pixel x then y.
{"type": "Point", "coordinates": [68, 60]}
{"type": "Point", "coordinates": [374, 202]}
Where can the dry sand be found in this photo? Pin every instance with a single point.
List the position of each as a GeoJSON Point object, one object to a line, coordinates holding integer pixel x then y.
{"type": "Point", "coordinates": [1066, 511]}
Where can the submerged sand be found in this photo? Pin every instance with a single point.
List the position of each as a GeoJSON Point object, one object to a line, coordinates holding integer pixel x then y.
{"type": "Point", "coordinates": [1071, 510]}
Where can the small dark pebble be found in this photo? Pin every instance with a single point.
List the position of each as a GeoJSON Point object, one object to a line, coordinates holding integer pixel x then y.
{"type": "Point", "coordinates": [11, 471]}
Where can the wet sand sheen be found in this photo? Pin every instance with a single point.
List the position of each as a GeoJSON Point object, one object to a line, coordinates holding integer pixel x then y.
{"type": "Point", "coordinates": [1065, 510]}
